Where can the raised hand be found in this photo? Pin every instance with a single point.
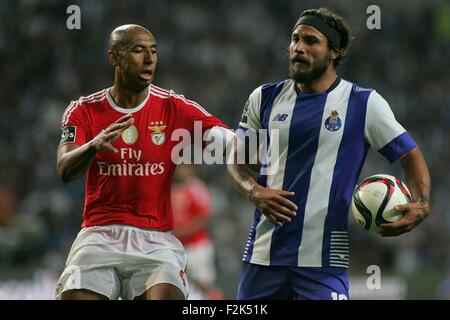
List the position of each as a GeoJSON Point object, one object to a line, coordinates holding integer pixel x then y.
{"type": "Point", "coordinates": [106, 138]}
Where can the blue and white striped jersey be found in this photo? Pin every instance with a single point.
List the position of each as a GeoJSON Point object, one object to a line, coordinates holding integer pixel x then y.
{"type": "Point", "coordinates": [323, 142]}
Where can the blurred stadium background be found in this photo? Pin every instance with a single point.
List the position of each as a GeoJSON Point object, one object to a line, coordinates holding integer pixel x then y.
{"type": "Point", "coordinates": [215, 52]}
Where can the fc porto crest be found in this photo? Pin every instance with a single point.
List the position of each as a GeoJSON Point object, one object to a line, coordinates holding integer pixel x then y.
{"type": "Point", "coordinates": [158, 136]}
{"type": "Point", "coordinates": [333, 122]}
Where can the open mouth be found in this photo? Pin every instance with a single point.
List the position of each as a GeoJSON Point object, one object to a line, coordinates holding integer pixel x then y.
{"type": "Point", "coordinates": [300, 63]}
{"type": "Point", "coordinates": [146, 75]}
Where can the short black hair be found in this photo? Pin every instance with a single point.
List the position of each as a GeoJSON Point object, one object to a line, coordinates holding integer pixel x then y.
{"type": "Point", "coordinates": [339, 24]}
{"type": "Point", "coordinates": [119, 38]}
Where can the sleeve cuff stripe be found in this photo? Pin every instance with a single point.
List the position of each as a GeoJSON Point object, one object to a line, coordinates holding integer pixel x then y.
{"type": "Point", "coordinates": [398, 147]}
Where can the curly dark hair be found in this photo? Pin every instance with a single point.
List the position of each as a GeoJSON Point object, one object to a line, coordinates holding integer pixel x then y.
{"type": "Point", "coordinates": [339, 24]}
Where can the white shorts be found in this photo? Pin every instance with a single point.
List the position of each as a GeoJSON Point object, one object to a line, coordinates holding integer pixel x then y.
{"type": "Point", "coordinates": [123, 261]}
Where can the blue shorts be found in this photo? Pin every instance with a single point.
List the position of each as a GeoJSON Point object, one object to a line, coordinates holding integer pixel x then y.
{"type": "Point", "coordinates": [299, 283]}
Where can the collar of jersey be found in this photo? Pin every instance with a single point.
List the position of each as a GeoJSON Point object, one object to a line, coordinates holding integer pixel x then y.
{"type": "Point", "coordinates": [331, 88]}
{"type": "Point", "coordinates": [126, 110]}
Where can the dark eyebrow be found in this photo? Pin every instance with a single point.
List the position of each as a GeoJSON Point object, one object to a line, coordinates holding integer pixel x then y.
{"type": "Point", "coordinates": [311, 37]}
{"type": "Point", "coordinates": [138, 45]}
{"type": "Point", "coordinates": [307, 36]}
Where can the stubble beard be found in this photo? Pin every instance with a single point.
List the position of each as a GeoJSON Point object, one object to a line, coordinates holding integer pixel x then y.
{"type": "Point", "coordinates": [317, 71]}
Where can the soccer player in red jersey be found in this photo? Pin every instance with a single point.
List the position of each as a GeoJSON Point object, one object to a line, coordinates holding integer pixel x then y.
{"type": "Point", "coordinates": [191, 202]}
{"type": "Point", "coordinates": [120, 138]}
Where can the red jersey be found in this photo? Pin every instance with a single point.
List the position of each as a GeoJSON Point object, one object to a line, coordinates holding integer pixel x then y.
{"type": "Point", "coordinates": [189, 200]}
{"type": "Point", "coordinates": [132, 186]}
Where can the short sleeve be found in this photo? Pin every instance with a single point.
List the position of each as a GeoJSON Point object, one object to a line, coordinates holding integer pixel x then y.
{"type": "Point", "coordinates": [383, 132]}
{"type": "Point", "coordinates": [251, 115]}
{"type": "Point", "coordinates": [74, 129]}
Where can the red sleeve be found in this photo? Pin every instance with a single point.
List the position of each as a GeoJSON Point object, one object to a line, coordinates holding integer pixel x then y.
{"type": "Point", "coordinates": [196, 113]}
{"type": "Point", "coordinates": [74, 127]}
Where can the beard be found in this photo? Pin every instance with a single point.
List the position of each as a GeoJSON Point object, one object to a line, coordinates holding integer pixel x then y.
{"type": "Point", "coordinates": [307, 77]}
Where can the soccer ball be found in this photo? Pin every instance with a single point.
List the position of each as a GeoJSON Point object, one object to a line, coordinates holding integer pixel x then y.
{"type": "Point", "coordinates": [374, 200]}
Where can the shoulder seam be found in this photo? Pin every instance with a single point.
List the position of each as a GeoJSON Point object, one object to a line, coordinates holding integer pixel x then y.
{"type": "Point", "coordinates": [165, 94]}
{"type": "Point", "coordinates": [92, 96]}
{"type": "Point", "coordinates": [70, 109]}
{"type": "Point", "coordinates": [159, 89]}
{"type": "Point", "coordinates": [159, 92]}
{"type": "Point", "coordinates": [95, 97]}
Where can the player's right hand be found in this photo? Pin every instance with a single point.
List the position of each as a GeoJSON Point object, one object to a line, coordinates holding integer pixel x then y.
{"type": "Point", "coordinates": [274, 204]}
{"type": "Point", "coordinates": [105, 139]}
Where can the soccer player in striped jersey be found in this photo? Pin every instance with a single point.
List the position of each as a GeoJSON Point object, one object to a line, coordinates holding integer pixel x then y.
{"type": "Point", "coordinates": [120, 138]}
{"type": "Point", "coordinates": [298, 245]}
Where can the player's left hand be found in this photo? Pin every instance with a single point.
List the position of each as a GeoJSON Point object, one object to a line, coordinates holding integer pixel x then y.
{"type": "Point", "coordinates": [414, 214]}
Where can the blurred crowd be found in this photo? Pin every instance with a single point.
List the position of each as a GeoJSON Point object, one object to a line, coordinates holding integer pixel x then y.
{"type": "Point", "coordinates": [216, 53]}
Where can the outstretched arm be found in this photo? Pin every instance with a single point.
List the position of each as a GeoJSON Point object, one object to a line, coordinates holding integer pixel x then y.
{"type": "Point", "coordinates": [272, 203]}
{"type": "Point", "coordinates": [73, 160]}
{"type": "Point", "coordinates": [419, 183]}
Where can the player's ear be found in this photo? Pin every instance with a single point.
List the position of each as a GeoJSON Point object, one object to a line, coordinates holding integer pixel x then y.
{"type": "Point", "coordinates": [113, 57]}
{"type": "Point", "coordinates": [334, 54]}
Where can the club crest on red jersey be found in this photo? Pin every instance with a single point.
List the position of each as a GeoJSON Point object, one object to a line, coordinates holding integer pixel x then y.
{"type": "Point", "coordinates": [158, 136]}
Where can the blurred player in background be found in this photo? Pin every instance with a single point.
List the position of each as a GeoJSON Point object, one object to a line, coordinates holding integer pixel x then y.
{"type": "Point", "coordinates": [120, 138]}
{"type": "Point", "coordinates": [298, 244]}
{"type": "Point", "coordinates": [191, 203]}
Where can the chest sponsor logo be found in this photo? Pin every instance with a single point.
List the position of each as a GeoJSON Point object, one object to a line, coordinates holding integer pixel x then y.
{"type": "Point", "coordinates": [333, 122]}
{"type": "Point", "coordinates": [130, 135]}
{"type": "Point", "coordinates": [158, 136]}
{"type": "Point", "coordinates": [131, 164]}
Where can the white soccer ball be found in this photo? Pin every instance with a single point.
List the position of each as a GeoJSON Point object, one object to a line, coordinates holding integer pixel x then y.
{"type": "Point", "coordinates": [374, 200]}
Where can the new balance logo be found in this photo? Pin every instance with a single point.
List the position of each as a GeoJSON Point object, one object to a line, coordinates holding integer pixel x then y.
{"type": "Point", "coordinates": [280, 117]}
